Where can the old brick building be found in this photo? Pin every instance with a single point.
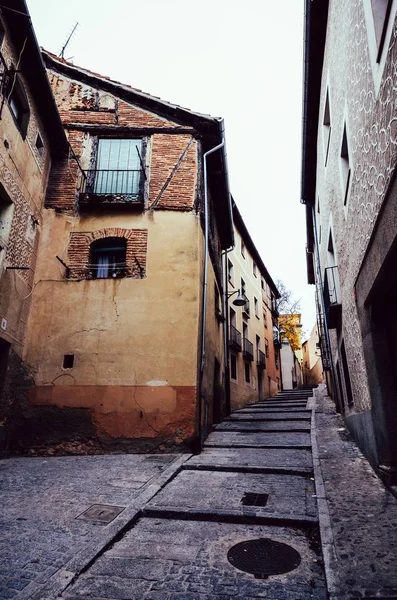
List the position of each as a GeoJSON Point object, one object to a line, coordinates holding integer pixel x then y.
{"type": "Point", "coordinates": [349, 188]}
{"type": "Point", "coordinates": [31, 138]}
{"type": "Point", "coordinates": [123, 341]}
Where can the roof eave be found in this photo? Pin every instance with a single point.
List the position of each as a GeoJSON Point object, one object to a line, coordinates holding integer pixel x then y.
{"type": "Point", "coordinates": [316, 17]}
{"type": "Point", "coordinates": [17, 17]}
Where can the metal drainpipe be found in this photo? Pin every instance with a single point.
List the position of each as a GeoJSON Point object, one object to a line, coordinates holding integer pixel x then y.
{"type": "Point", "coordinates": [205, 277]}
{"type": "Point", "coordinates": [327, 338]}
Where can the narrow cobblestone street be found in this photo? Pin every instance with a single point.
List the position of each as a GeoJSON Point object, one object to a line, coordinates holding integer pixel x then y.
{"type": "Point", "coordinates": [277, 470]}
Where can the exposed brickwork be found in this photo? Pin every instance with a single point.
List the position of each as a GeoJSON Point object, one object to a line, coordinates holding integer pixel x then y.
{"type": "Point", "coordinates": [166, 151]}
{"type": "Point", "coordinates": [81, 104]}
{"type": "Point", "coordinates": [79, 250]}
{"type": "Point", "coordinates": [133, 117]}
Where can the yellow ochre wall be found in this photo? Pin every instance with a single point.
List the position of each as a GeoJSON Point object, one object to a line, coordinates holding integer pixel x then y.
{"type": "Point", "coordinates": [134, 340]}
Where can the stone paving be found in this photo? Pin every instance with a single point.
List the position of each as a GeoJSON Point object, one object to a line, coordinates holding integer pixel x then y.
{"type": "Point", "coordinates": [42, 497]}
{"type": "Point", "coordinates": [187, 560]}
{"type": "Point", "coordinates": [244, 485]}
{"type": "Point", "coordinates": [362, 561]}
{"type": "Point", "coordinates": [253, 480]}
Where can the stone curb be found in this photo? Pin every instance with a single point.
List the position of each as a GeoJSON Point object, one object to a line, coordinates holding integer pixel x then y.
{"type": "Point", "coordinates": [230, 516]}
{"type": "Point", "coordinates": [56, 584]}
{"type": "Point", "coordinates": [304, 471]}
{"type": "Point", "coordinates": [326, 534]}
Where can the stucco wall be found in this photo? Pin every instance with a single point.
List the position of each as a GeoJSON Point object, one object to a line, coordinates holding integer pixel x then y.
{"type": "Point", "coordinates": [134, 341]}
{"type": "Point", "coordinates": [362, 94]}
{"type": "Point", "coordinates": [243, 268]}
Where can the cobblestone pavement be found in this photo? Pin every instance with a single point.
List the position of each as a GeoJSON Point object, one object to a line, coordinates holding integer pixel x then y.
{"type": "Point", "coordinates": [40, 499]}
{"type": "Point", "coordinates": [284, 478]}
{"type": "Point", "coordinates": [247, 484]}
{"type": "Point", "coordinates": [360, 534]}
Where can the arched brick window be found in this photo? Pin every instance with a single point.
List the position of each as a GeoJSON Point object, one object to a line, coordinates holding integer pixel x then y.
{"type": "Point", "coordinates": [108, 258]}
{"type": "Point", "coordinates": [107, 253]}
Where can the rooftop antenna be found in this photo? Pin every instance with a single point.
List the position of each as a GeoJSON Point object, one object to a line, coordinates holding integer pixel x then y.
{"type": "Point", "coordinates": [62, 53]}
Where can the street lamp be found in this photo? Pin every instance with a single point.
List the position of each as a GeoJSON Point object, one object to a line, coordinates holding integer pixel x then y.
{"type": "Point", "coordinates": [241, 300]}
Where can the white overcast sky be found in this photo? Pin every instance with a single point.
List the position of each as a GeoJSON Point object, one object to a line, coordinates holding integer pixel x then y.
{"type": "Point", "coordinates": [238, 60]}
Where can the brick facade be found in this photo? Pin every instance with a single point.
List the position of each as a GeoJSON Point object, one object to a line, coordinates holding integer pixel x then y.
{"type": "Point", "coordinates": [80, 244]}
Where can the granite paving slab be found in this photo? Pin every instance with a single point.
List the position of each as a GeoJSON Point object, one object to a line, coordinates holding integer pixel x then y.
{"type": "Point", "coordinates": [258, 426]}
{"type": "Point", "coordinates": [279, 440]}
{"type": "Point", "coordinates": [186, 560]}
{"type": "Point", "coordinates": [287, 494]}
{"type": "Point", "coordinates": [269, 416]}
{"type": "Point", "coordinates": [252, 457]}
{"type": "Point", "coordinates": [272, 409]}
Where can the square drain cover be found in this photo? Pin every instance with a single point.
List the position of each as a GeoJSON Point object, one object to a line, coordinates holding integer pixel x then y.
{"type": "Point", "coordinates": [102, 513]}
{"type": "Point", "coordinates": [253, 499]}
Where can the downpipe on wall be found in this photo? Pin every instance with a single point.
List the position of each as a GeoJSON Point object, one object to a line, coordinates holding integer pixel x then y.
{"type": "Point", "coordinates": [206, 257]}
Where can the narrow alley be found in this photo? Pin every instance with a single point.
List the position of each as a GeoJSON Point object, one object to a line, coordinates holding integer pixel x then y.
{"type": "Point", "coordinates": [208, 526]}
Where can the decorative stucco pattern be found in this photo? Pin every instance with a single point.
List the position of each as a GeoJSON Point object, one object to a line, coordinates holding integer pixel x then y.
{"type": "Point", "coordinates": [371, 124]}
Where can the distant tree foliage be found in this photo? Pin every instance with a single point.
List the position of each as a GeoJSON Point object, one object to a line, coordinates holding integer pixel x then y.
{"type": "Point", "coordinates": [290, 318]}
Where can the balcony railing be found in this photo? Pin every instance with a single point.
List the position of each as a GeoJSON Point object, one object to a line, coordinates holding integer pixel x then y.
{"type": "Point", "coordinates": [248, 349]}
{"type": "Point", "coordinates": [246, 307]}
{"type": "Point", "coordinates": [235, 338]}
{"type": "Point", "coordinates": [260, 359]}
{"type": "Point", "coordinates": [112, 186]}
{"type": "Point", "coordinates": [333, 306]}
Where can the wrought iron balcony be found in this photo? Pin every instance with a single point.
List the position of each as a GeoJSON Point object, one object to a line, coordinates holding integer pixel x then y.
{"type": "Point", "coordinates": [333, 305]}
{"type": "Point", "coordinates": [234, 339]}
{"type": "Point", "coordinates": [248, 349]}
{"type": "Point", "coordinates": [276, 337]}
{"type": "Point", "coordinates": [111, 186]}
{"type": "Point", "coordinates": [246, 307]}
{"type": "Point", "coordinates": [260, 359]}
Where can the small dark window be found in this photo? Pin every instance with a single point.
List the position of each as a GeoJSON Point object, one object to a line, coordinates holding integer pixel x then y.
{"type": "Point", "coordinates": [247, 372]}
{"type": "Point", "coordinates": [233, 366]}
{"type": "Point", "coordinates": [18, 104]}
{"type": "Point", "coordinates": [345, 166]}
{"type": "Point", "coordinates": [254, 270]}
{"type": "Point", "coordinates": [242, 249]}
{"type": "Point", "coordinates": [380, 12]}
{"type": "Point", "coordinates": [326, 128]}
{"type": "Point", "coordinates": [39, 145]}
{"type": "Point", "coordinates": [68, 360]}
{"type": "Point", "coordinates": [108, 258]}
{"type": "Point", "coordinates": [346, 374]}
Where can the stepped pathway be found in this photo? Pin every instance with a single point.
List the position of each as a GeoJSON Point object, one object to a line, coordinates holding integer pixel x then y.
{"type": "Point", "coordinates": [238, 520]}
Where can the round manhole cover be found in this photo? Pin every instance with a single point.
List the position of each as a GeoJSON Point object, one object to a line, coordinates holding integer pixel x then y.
{"type": "Point", "coordinates": [263, 557]}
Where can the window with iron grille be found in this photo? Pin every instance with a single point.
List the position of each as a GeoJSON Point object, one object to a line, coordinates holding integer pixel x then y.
{"type": "Point", "coordinates": [118, 169]}
{"type": "Point", "coordinates": [108, 258]}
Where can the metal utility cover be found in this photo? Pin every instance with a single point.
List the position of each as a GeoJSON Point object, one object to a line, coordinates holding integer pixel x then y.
{"type": "Point", "coordinates": [254, 499]}
{"type": "Point", "coordinates": [263, 557]}
{"type": "Point", "coordinates": [101, 513]}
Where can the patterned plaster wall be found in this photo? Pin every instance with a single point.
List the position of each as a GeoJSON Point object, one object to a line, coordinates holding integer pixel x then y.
{"type": "Point", "coordinates": [371, 122]}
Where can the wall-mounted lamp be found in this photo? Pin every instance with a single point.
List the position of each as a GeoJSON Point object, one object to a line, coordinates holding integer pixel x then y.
{"type": "Point", "coordinates": [241, 300]}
